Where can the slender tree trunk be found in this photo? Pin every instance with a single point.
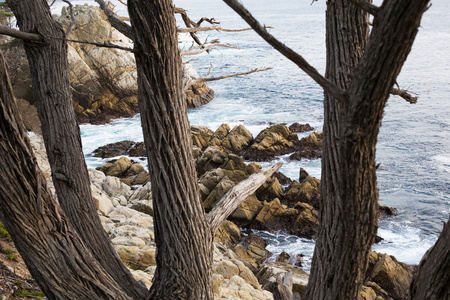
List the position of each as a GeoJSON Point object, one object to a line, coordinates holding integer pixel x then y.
{"type": "Point", "coordinates": [54, 253]}
{"type": "Point", "coordinates": [183, 237]}
{"type": "Point", "coordinates": [50, 79]}
{"type": "Point", "coordinates": [349, 188]}
{"type": "Point", "coordinates": [432, 281]}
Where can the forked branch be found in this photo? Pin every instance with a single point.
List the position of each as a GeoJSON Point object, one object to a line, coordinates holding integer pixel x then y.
{"type": "Point", "coordinates": [72, 19]}
{"type": "Point", "coordinates": [327, 85]}
{"type": "Point", "coordinates": [115, 21]}
{"type": "Point", "coordinates": [237, 195]}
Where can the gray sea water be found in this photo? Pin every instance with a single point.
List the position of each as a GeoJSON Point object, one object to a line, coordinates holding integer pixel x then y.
{"type": "Point", "coordinates": [413, 148]}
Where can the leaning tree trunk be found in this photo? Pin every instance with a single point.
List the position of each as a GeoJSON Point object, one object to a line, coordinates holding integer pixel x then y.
{"type": "Point", "coordinates": [432, 281]}
{"type": "Point", "coordinates": [50, 79]}
{"type": "Point", "coordinates": [349, 188]}
{"type": "Point", "coordinates": [183, 237]}
{"type": "Point", "coordinates": [53, 252]}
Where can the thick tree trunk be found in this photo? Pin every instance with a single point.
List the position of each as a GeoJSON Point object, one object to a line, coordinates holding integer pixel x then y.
{"type": "Point", "coordinates": [54, 253]}
{"type": "Point", "coordinates": [432, 281]}
{"type": "Point", "coordinates": [183, 237]}
{"type": "Point", "coordinates": [349, 188]}
{"type": "Point", "coordinates": [50, 78]}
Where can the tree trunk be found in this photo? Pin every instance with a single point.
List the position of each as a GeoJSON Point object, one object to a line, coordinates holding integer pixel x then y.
{"type": "Point", "coordinates": [50, 79]}
{"type": "Point", "coordinates": [183, 237]}
{"type": "Point", "coordinates": [432, 281]}
{"type": "Point", "coordinates": [349, 207]}
{"type": "Point", "coordinates": [54, 253]}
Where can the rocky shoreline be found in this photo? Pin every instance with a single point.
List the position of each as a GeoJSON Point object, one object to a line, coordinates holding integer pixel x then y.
{"type": "Point", "coordinates": [241, 267]}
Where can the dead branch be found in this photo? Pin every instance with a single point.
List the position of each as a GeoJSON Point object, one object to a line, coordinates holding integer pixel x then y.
{"type": "Point", "coordinates": [72, 19]}
{"type": "Point", "coordinates": [366, 6]}
{"type": "Point", "coordinates": [122, 2]}
{"type": "Point", "coordinates": [26, 36]}
{"type": "Point", "coordinates": [103, 45]}
{"type": "Point", "coordinates": [404, 94]}
{"type": "Point", "coordinates": [206, 48]}
{"type": "Point", "coordinates": [215, 27]}
{"type": "Point", "coordinates": [296, 58]}
{"type": "Point", "coordinates": [115, 21]}
{"type": "Point", "coordinates": [237, 195]}
{"type": "Point", "coordinates": [194, 81]}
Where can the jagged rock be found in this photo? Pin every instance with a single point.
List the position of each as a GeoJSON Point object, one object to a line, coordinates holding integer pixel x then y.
{"type": "Point", "coordinates": [300, 220]}
{"type": "Point", "coordinates": [201, 135]}
{"type": "Point", "coordinates": [267, 276]}
{"type": "Point", "coordinates": [247, 211]}
{"type": "Point", "coordinates": [297, 127]}
{"type": "Point", "coordinates": [116, 168]}
{"type": "Point", "coordinates": [283, 257]}
{"type": "Point", "coordinates": [307, 191]}
{"type": "Point", "coordinates": [272, 141]}
{"type": "Point", "coordinates": [103, 80]}
{"type": "Point", "coordinates": [228, 233]}
{"type": "Point", "coordinates": [270, 190]}
{"type": "Point", "coordinates": [129, 173]}
{"type": "Point", "coordinates": [217, 193]}
{"type": "Point", "coordinates": [309, 147]}
{"type": "Point", "coordinates": [391, 276]}
{"type": "Point", "coordinates": [255, 248]}
{"type": "Point", "coordinates": [197, 93]}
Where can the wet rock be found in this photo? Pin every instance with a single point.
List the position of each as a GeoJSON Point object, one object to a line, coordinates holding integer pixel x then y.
{"type": "Point", "coordinates": [237, 140]}
{"type": "Point", "coordinates": [114, 149]}
{"type": "Point", "coordinates": [270, 190]}
{"type": "Point", "coordinates": [306, 223]}
{"type": "Point", "coordinates": [307, 191]}
{"type": "Point", "coordinates": [283, 257]}
{"type": "Point", "coordinates": [309, 147]}
{"type": "Point", "coordinates": [272, 141]}
{"type": "Point", "coordinates": [297, 127]}
{"type": "Point", "coordinates": [386, 211]}
{"type": "Point", "coordinates": [255, 248]}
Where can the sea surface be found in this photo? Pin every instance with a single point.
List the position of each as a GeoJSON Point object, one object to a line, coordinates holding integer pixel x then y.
{"type": "Point", "coordinates": [414, 142]}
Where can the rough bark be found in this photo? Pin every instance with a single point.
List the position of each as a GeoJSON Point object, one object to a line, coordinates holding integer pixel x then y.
{"type": "Point", "coordinates": [54, 253]}
{"type": "Point", "coordinates": [183, 237]}
{"type": "Point", "coordinates": [432, 281]}
{"type": "Point", "coordinates": [349, 188]}
{"type": "Point", "coordinates": [50, 79]}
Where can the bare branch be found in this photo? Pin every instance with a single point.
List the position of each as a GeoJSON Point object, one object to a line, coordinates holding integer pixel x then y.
{"type": "Point", "coordinates": [237, 195]}
{"type": "Point", "coordinates": [26, 36]}
{"type": "Point", "coordinates": [366, 6]}
{"type": "Point", "coordinates": [122, 2]}
{"type": "Point", "coordinates": [405, 95]}
{"type": "Point", "coordinates": [189, 23]}
{"type": "Point", "coordinates": [115, 21]}
{"type": "Point", "coordinates": [103, 45]}
{"type": "Point", "coordinates": [194, 81]}
{"type": "Point", "coordinates": [327, 85]}
{"type": "Point", "coordinates": [72, 19]}
{"type": "Point", "coordinates": [52, 3]}
{"type": "Point", "coordinates": [206, 48]}
{"type": "Point", "coordinates": [215, 27]}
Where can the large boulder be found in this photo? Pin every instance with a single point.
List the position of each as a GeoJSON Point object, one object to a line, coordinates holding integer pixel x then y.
{"type": "Point", "coordinates": [128, 172]}
{"type": "Point", "coordinates": [307, 191]}
{"type": "Point", "coordinates": [272, 141]}
{"type": "Point", "coordinates": [103, 80]}
{"type": "Point", "coordinates": [297, 127]}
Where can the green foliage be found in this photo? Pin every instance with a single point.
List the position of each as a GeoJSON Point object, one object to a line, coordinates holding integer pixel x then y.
{"type": "Point", "coordinates": [3, 232]}
{"type": "Point", "coordinates": [12, 257]}
{"type": "Point", "coordinates": [9, 251]}
{"type": "Point", "coordinates": [24, 294]}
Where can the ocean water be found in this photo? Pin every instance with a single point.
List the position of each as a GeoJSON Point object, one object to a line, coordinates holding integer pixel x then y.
{"type": "Point", "coordinates": [414, 145]}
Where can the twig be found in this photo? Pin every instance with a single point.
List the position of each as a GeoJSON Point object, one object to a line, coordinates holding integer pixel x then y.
{"type": "Point", "coordinates": [26, 36]}
{"type": "Point", "coordinates": [405, 95]}
{"type": "Point", "coordinates": [72, 18]}
{"type": "Point", "coordinates": [366, 6]}
{"type": "Point", "coordinates": [194, 81]}
{"type": "Point", "coordinates": [331, 88]}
